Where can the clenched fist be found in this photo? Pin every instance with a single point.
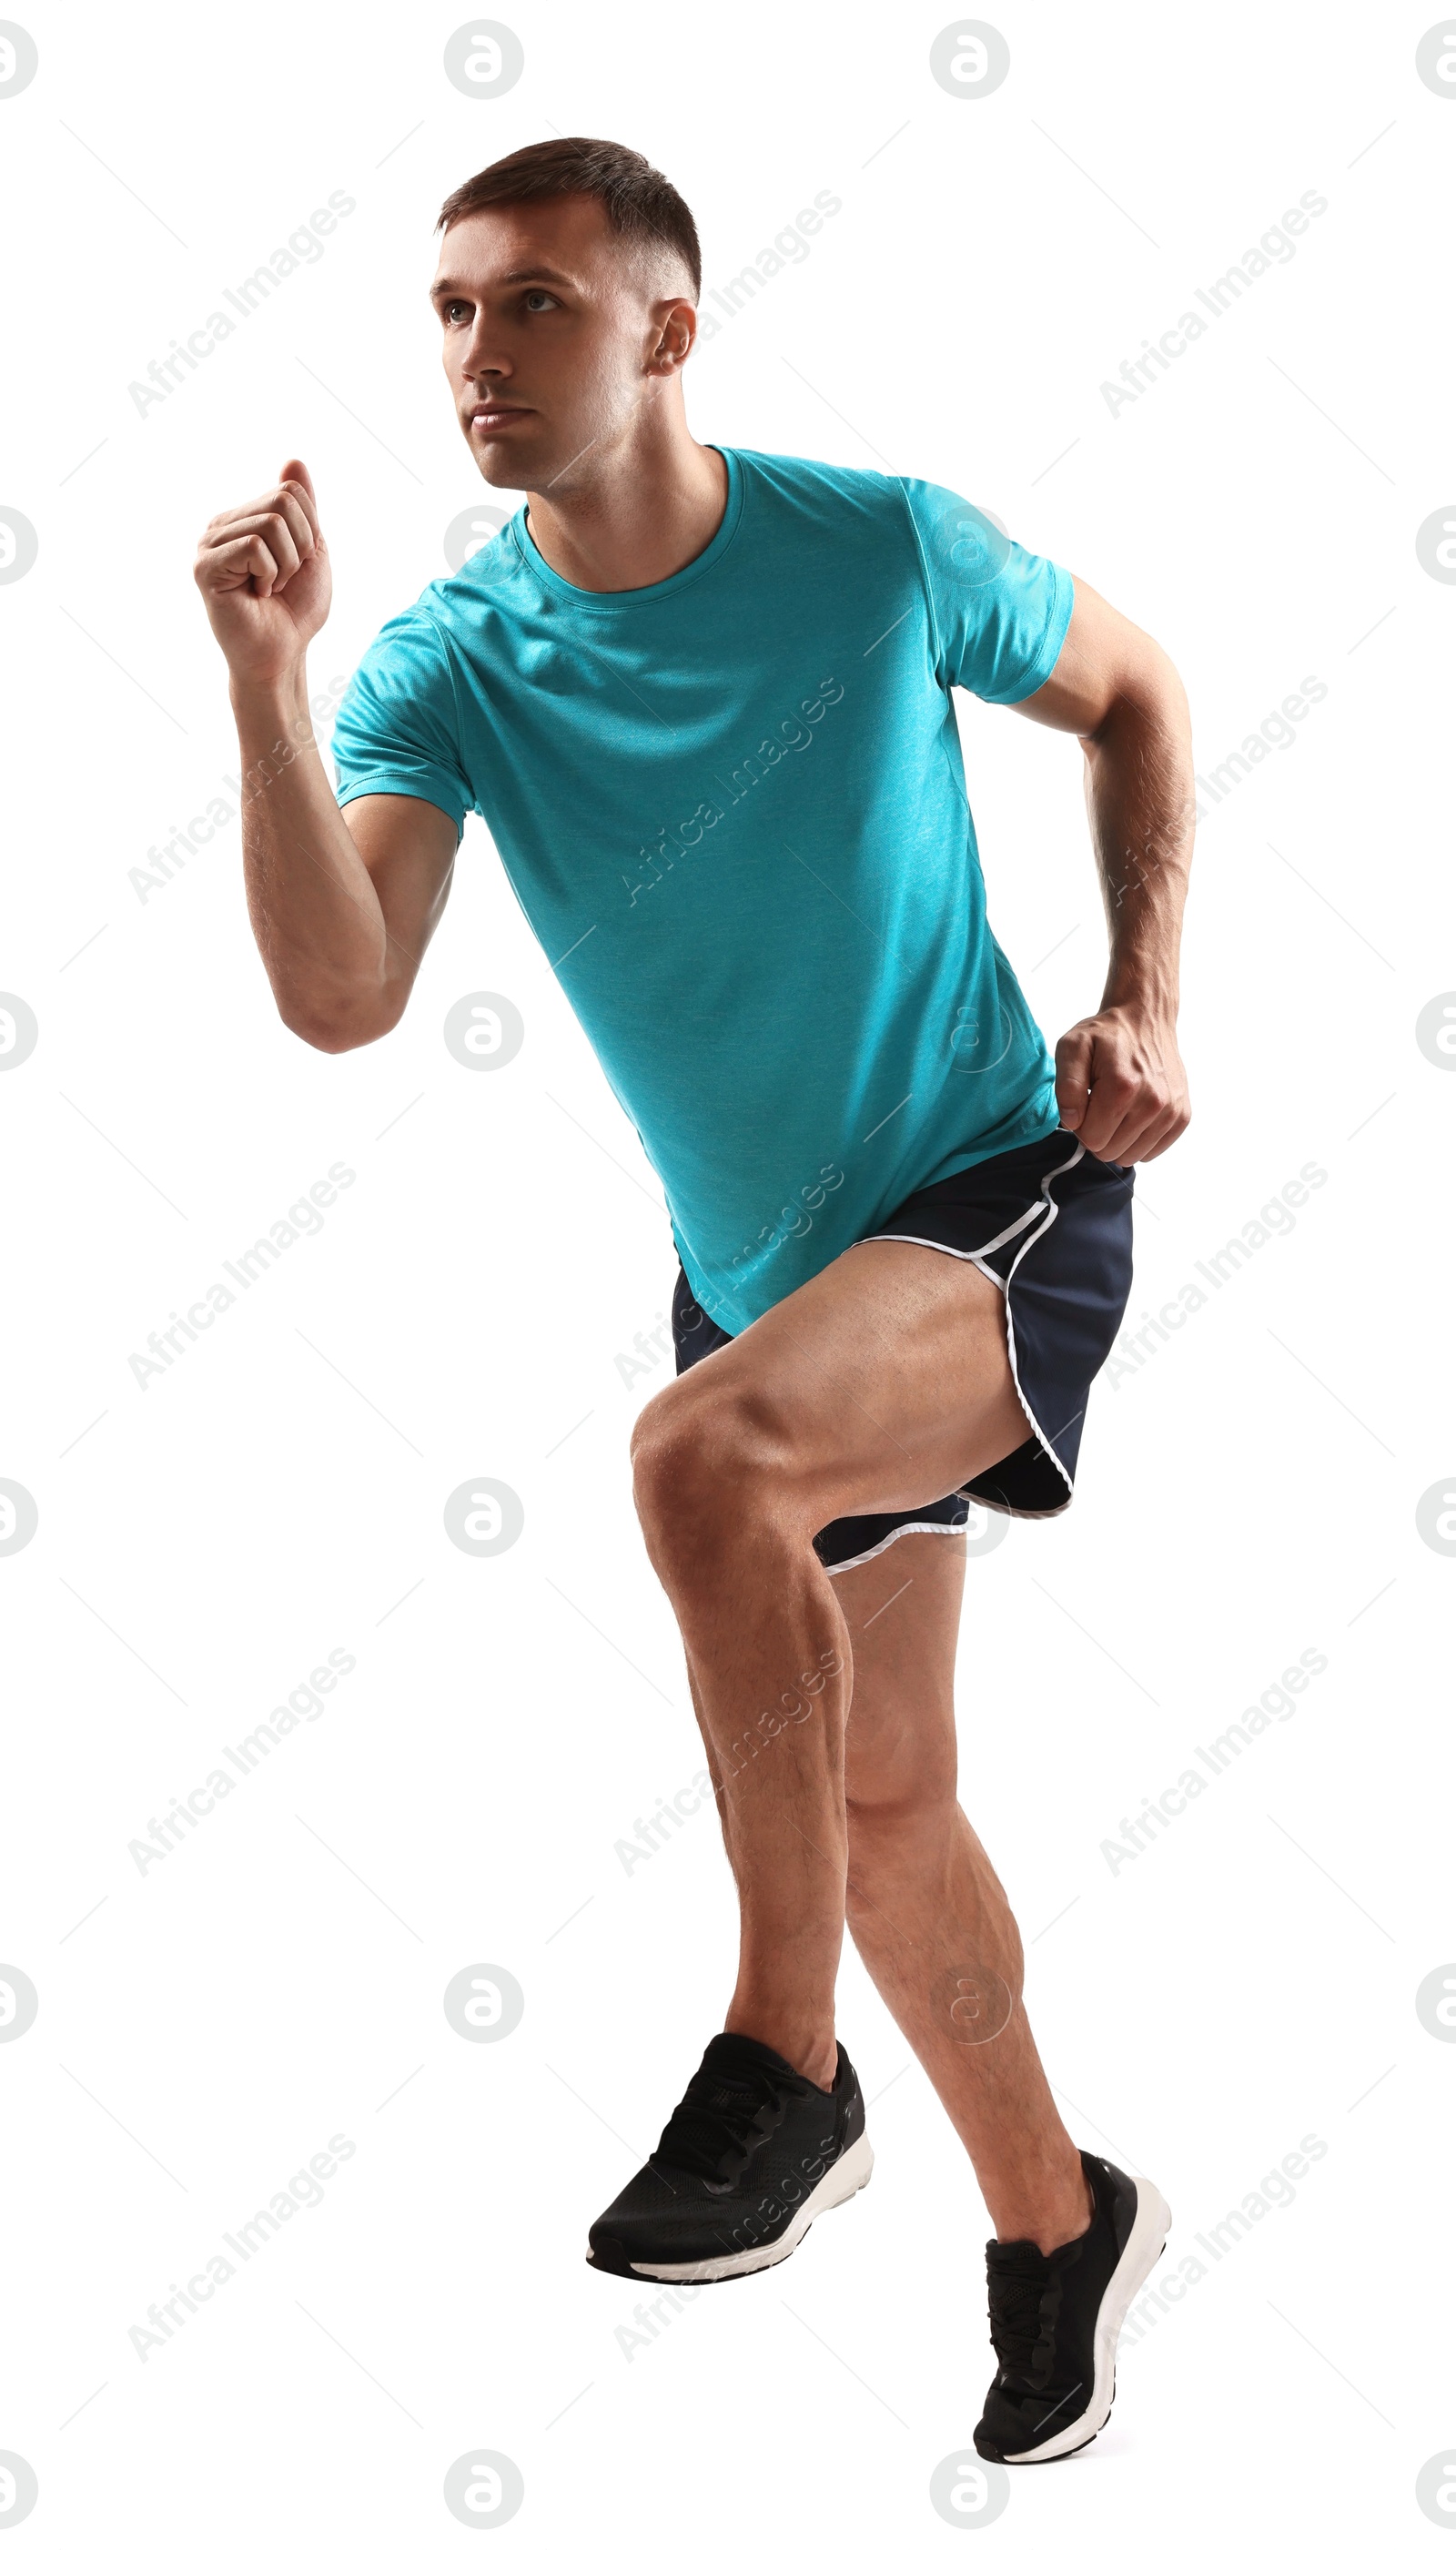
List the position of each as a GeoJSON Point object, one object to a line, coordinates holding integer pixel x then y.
{"type": "Point", "coordinates": [1120, 1085]}
{"type": "Point", "coordinates": [263, 570]}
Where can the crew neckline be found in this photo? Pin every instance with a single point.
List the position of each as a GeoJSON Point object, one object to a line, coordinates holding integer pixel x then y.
{"type": "Point", "coordinates": [581, 598]}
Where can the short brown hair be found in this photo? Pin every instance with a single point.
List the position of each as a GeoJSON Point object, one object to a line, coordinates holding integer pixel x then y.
{"type": "Point", "coordinates": [640, 203]}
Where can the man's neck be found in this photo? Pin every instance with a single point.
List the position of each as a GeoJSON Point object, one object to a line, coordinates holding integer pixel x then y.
{"type": "Point", "coordinates": [643, 517]}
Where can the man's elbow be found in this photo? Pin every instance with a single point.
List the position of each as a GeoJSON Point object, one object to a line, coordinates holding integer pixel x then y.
{"type": "Point", "coordinates": [1147, 695]}
{"type": "Point", "coordinates": [343, 1028]}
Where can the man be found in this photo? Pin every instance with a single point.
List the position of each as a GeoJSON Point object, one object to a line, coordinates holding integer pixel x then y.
{"type": "Point", "coordinates": [702, 699]}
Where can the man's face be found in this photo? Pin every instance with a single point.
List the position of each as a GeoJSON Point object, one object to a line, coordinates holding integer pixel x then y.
{"type": "Point", "coordinates": [552, 330]}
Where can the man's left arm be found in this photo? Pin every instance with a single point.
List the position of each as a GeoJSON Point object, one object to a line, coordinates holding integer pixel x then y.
{"type": "Point", "coordinates": [1121, 1083]}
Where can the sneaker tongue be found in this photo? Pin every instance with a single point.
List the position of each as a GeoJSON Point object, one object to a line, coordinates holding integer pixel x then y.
{"type": "Point", "coordinates": [734, 2076]}
{"type": "Point", "coordinates": [711, 2124]}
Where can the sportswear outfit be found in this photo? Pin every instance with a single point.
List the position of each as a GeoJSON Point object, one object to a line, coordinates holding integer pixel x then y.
{"type": "Point", "coordinates": [733, 808]}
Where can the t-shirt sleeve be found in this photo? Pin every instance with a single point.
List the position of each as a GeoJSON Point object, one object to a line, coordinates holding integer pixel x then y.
{"type": "Point", "coordinates": [396, 733]}
{"type": "Point", "coordinates": [998, 612]}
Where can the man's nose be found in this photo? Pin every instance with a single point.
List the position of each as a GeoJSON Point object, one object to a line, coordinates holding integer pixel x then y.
{"type": "Point", "coordinates": [482, 357]}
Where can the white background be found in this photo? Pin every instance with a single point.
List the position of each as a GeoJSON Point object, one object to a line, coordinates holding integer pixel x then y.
{"type": "Point", "coordinates": [205, 1541]}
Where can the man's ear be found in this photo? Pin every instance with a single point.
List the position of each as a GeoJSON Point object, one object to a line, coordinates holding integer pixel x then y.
{"type": "Point", "coordinates": [676, 338]}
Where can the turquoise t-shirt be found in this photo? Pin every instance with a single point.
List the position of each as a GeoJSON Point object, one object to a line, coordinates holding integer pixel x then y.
{"type": "Point", "coordinates": [733, 808]}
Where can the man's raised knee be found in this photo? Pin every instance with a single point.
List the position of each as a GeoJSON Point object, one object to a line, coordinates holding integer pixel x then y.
{"type": "Point", "coordinates": [702, 1461]}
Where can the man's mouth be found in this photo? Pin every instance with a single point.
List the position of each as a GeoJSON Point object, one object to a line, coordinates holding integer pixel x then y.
{"type": "Point", "coordinates": [492, 414]}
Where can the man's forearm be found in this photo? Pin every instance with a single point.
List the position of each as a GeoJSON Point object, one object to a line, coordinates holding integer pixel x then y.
{"type": "Point", "coordinates": [1140, 807]}
{"type": "Point", "coordinates": [313, 909]}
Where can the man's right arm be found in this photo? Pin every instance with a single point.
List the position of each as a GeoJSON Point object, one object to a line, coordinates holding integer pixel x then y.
{"type": "Point", "coordinates": [343, 905]}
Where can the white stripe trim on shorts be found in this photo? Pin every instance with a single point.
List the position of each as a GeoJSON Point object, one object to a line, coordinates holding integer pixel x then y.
{"type": "Point", "coordinates": [954, 1529]}
{"type": "Point", "coordinates": [973, 1257]}
{"type": "Point", "coordinates": [1010, 1338]}
{"type": "Point", "coordinates": [913, 1240]}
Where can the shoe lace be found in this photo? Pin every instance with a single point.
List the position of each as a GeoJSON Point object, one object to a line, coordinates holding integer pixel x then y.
{"type": "Point", "coordinates": [723, 2118]}
{"type": "Point", "coordinates": [1024, 2309]}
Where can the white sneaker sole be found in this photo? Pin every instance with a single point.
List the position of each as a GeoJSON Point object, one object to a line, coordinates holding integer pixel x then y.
{"type": "Point", "coordinates": [849, 2174]}
{"type": "Point", "coordinates": [1146, 2241]}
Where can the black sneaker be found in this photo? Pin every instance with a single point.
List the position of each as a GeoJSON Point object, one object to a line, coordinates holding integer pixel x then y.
{"type": "Point", "coordinates": [747, 2159]}
{"type": "Point", "coordinates": [1054, 2321]}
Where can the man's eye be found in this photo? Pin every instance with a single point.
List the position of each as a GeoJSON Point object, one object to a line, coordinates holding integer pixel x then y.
{"type": "Point", "coordinates": [454, 310]}
{"type": "Point", "coordinates": [534, 299]}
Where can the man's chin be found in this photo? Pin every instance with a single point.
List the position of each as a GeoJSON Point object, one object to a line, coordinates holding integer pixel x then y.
{"type": "Point", "coordinates": [510, 462]}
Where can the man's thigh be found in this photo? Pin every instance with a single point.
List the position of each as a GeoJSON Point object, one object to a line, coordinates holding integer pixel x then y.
{"type": "Point", "coordinates": [879, 1386]}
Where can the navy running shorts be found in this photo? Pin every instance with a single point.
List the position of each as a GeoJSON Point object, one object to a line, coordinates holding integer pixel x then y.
{"type": "Point", "coordinates": [1051, 1227]}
